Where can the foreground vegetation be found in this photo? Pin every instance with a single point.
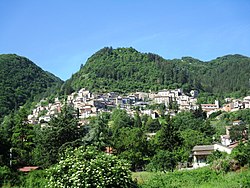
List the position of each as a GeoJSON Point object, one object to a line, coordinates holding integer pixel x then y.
{"type": "Point", "coordinates": [202, 178]}
{"type": "Point", "coordinates": [175, 137]}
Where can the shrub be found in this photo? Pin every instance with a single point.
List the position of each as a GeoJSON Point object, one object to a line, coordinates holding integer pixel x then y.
{"type": "Point", "coordinates": [162, 161]}
{"type": "Point", "coordinates": [216, 155]}
{"type": "Point", "coordinates": [89, 168]}
{"type": "Point", "coordinates": [34, 179]}
{"type": "Point", "coordinates": [221, 165]}
{"type": "Point", "coordinates": [241, 153]}
{"type": "Point", "coordinates": [5, 175]}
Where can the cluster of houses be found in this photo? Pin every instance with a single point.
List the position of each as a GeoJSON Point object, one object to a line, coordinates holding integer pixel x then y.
{"type": "Point", "coordinates": [236, 104]}
{"type": "Point", "coordinates": [231, 105]}
{"type": "Point", "coordinates": [89, 104]}
{"type": "Point", "coordinates": [183, 101]}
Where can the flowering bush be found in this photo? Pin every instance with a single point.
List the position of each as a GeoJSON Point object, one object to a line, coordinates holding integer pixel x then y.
{"type": "Point", "coordinates": [89, 168]}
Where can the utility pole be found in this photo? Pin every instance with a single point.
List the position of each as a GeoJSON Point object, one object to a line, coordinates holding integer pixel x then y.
{"type": "Point", "coordinates": [11, 157]}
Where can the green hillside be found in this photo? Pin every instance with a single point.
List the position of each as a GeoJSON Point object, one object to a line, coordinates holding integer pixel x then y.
{"type": "Point", "coordinates": [21, 80]}
{"type": "Point", "coordinates": [126, 69]}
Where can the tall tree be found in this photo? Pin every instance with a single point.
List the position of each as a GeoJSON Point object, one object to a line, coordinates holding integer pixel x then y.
{"type": "Point", "coordinates": [22, 139]}
{"type": "Point", "coordinates": [167, 138]}
{"type": "Point", "coordinates": [137, 121]}
{"type": "Point", "coordinates": [62, 131]}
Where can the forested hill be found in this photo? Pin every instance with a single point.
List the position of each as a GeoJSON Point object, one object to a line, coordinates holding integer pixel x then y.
{"type": "Point", "coordinates": [20, 80]}
{"type": "Point", "coordinates": [126, 69]}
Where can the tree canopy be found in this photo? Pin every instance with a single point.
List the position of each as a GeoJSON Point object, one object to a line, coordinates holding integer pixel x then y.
{"type": "Point", "coordinates": [127, 70]}
{"type": "Point", "coordinates": [21, 80]}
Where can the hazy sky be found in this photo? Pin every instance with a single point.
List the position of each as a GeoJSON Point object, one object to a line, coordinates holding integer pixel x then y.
{"type": "Point", "coordinates": [59, 35]}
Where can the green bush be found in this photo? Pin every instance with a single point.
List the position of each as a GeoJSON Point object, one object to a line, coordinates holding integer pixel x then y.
{"type": "Point", "coordinates": [34, 179]}
{"type": "Point", "coordinates": [221, 165]}
{"type": "Point", "coordinates": [162, 161]}
{"type": "Point", "coordinates": [241, 153]}
{"type": "Point", "coordinates": [5, 175]}
{"type": "Point", "coordinates": [216, 155]}
{"type": "Point", "coordinates": [89, 168]}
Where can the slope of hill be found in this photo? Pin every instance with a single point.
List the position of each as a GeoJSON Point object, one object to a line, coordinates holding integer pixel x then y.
{"type": "Point", "coordinates": [20, 80]}
{"type": "Point", "coordinates": [230, 73]}
{"type": "Point", "coordinates": [125, 69]}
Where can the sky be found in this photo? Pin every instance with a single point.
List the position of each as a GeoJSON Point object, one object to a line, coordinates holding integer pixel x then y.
{"type": "Point", "coordinates": [60, 35]}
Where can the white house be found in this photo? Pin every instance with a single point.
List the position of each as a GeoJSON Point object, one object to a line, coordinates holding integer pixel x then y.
{"type": "Point", "coordinates": [201, 152]}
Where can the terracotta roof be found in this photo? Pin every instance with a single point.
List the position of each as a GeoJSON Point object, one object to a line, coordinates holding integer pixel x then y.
{"type": "Point", "coordinates": [28, 168]}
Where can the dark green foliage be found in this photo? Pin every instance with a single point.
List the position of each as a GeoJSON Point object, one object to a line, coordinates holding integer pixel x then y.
{"type": "Point", "coordinates": [228, 74]}
{"type": "Point", "coordinates": [162, 161]}
{"type": "Point", "coordinates": [62, 132]}
{"type": "Point", "coordinates": [238, 132]}
{"type": "Point", "coordinates": [22, 140]}
{"type": "Point", "coordinates": [132, 145]}
{"type": "Point", "coordinates": [216, 155]}
{"type": "Point", "coordinates": [241, 153]}
{"type": "Point", "coordinates": [99, 133]}
{"type": "Point", "coordinates": [5, 175]}
{"type": "Point", "coordinates": [215, 114]}
{"type": "Point", "coordinates": [5, 144]}
{"type": "Point", "coordinates": [152, 125]}
{"type": "Point", "coordinates": [35, 178]}
{"type": "Point", "coordinates": [120, 119]}
{"type": "Point", "coordinates": [21, 80]}
{"type": "Point", "coordinates": [137, 122]}
{"type": "Point", "coordinates": [126, 70]}
{"type": "Point", "coordinates": [243, 115]}
{"type": "Point", "coordinates": [167, 138]}
{"type": "Point", "coordinates": [191, 138]}
{"type": "Point", "coordinates": [198, 113]}
{"type": "Point", "coordinates": [16, 134]}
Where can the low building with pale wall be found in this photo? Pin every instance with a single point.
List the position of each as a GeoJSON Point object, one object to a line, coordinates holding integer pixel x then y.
{"type": "Point", "coordinates": [210, 107]}
{"type": "Point", "coordinates": [201, 153]}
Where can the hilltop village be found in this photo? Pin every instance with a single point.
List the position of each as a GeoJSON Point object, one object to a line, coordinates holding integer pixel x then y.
{"type": "Point", "coordinates": [90, 104]}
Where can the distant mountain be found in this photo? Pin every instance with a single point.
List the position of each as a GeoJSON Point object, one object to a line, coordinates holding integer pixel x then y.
{"type": "Point", "coordinates": [230, 73]}
{"type": "Point", "coordinates": [21, 80]}
{"type": "Point", "coordinates": [126, 69]}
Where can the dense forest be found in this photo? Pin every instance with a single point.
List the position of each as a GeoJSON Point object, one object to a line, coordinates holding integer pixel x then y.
{"type": "Point", "coordinates": [22, 80]}
{"type": "Point", "coordinates": [126, 70]}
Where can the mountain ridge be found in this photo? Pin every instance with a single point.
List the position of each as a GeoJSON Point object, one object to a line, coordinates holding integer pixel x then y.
{"type": "Point", "coordinates": [21, 80]}
{"type": "Point", "coordinates": [128, 69]}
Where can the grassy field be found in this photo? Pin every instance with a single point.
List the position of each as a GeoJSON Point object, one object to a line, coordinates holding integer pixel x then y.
{"type": "Point", "coordinates": [200, 178]}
